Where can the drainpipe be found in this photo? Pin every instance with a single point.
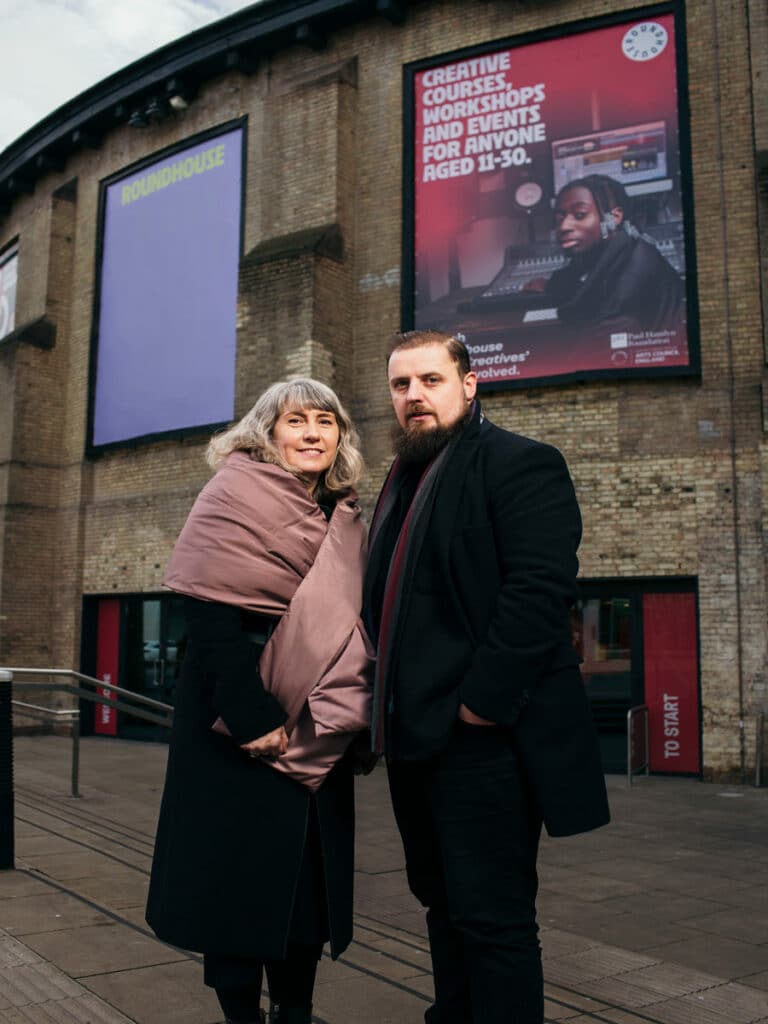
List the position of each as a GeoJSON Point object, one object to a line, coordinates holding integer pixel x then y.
{"type": "Point", "coordinates": [732, 392]}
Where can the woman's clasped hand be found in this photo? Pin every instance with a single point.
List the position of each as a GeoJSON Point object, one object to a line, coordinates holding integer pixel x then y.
{"type": "Point", "coordinates": [273, 744]}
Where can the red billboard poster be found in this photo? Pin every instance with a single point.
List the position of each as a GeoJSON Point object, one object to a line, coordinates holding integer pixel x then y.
{"type": "Point", "coordinates": [546, 198]}
{"type": "Point", "coordinates": [671, 682]}
{"type": "Point", "coordinates": [107, 654]}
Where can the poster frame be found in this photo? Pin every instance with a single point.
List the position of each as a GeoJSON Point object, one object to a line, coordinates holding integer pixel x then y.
{"type": "Point", "coordinates": [675, 8]}
{"type": "Point", "coordinates": [8, 252]}
{"type": "Point", "coordinates": [94, 450]}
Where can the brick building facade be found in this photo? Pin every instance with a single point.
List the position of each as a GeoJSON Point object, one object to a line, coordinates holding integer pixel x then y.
{"type": "Point", "coordinates": [672, 474]}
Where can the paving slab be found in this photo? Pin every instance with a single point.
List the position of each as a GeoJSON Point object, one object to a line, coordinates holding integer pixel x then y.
{"type": "Point", "coordinates": [719, 955]}
{"type": "Point", "coordinates": [616, 1015]}
{"type": "Point", "coordinates": [122, 888]}
{"type": "Point", "coordinates": [733, 923]}
{"type": "Point", "coordinates": [35, 983]}
{"type": "Point", "coordinates": [715, 1006]}
{"type": "Point", "coordinates": [14, 953]}
{"type": "Point", "coordinates": [647, 932]}
{"type": "Point", "coordinates": [668, 980]}
{"type": "Point", "coordinates": [96, 949]}
{"type": "Point", "coordinates": [47, 911]}
{"type": "Point", "coordinates": [84, 1009]}
{"type": "Point", "coordinates": [394, 963]}
{"type": "Point", "coordinates": [364, 998]}
{"type": "Point", "coordinates": [33, 991]}
{"type": "Point", "coordinates": [596, 962]}
{"type": "Point", "coordinates": [163, 994]}
{"type": "Point", "coordinates": [574, 1001]}
{"type": "Point", "coordinates": [75, 863]}
{"type": "Point", "coordinates": [553, 1012]}
{"type": "Point", "coordinates": [665, 905]}
{"type": "Point", "coordinates": [556, 943]}
{"type": "Point", "coordinates": [18, 883]}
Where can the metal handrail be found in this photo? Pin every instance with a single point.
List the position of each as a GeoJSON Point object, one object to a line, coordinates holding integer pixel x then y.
{"type": "Point", "coordinates": [57, 712]}
{"type": "Point", "coordinates": [73, 714]}
{"type": "Point", "coordinates": [102, 685]}
{"type": "Point", "coordinates": [633, 769]}
{"type": "Point", "coordinates": [97, 698]}
{"type": "Point", "coordinates": [128, 704]}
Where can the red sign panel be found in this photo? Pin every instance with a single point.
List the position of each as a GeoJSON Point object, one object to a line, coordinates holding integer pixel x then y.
{"type": "Point", "coordinates": [671, 681]}
{"type": "Point", "coordinates": [548, 190]}
{"type": "Point", "coordinates": [107, 653]}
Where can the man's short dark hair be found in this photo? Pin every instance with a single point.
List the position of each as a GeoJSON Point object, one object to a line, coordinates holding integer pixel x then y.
{"type": "Point", "coordinates": [457, 350]}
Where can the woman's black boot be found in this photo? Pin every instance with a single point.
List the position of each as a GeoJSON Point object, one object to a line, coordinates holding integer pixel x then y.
{"type": "Point", "coordinates": [279, 1014]}
{"type": "Point", "coordinates": [261, 1019]}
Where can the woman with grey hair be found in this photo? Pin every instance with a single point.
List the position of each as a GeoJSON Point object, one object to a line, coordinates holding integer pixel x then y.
{"type": "Point", "coordinates": [253, 857]}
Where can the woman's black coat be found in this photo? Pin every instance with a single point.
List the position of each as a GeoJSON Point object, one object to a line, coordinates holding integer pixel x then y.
{"type": "Point", "coordinates": [231, 831]}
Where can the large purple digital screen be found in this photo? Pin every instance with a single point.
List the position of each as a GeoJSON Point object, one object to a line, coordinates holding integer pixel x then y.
{"type": "Point", "coordinates": [165, 352]}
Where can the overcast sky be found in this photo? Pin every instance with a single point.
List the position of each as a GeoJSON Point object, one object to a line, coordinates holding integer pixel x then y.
{"type": "Point", "coordinates": [51, 50]}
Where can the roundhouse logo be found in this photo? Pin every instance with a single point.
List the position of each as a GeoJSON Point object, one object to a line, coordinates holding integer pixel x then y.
{"type": "Point", "coordinates": [644, 41]}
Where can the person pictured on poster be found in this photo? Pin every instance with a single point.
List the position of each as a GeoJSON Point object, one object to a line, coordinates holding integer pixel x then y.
{"type": "Point", "coordinates": [614, 277]}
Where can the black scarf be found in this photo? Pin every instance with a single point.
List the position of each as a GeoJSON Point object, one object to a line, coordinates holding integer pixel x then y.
{"type": "Point", "coordinates": [398, 545]}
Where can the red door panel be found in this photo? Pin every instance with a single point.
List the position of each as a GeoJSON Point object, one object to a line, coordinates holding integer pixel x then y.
{"type": "Point", "coordinates": [107, 653]}
{"type": "Point", "coordinates": [671, 682]}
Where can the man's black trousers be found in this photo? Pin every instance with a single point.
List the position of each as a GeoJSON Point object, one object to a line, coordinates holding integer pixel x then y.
{"type": "Point", "coordinates": [471, 836]}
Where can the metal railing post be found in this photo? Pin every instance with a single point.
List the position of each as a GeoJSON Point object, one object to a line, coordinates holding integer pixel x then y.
{"type": "Point", "coordinates": [632, 766]}
{"type": "Point", "coordinates": [73, 717]}
{"type": "Point", "coordinates": [6, 773]}
{"type": "Point", "coordinates": [75, 753]}
{"type": "Point", "coordinates": [647, 741]}
{"type": "Point", "coordinates": [630, 746]}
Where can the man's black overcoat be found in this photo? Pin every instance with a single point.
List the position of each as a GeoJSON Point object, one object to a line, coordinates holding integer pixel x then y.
{"type": "Point", "coordinates": [484, 620]}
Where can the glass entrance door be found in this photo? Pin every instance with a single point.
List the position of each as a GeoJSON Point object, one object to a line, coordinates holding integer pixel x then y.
{"type": "Point", "coordinates": [638, 641]}
{"type": "Point", "coordinates": [152, 649]}
{"type": "Point", "coordinates": [603, 629]}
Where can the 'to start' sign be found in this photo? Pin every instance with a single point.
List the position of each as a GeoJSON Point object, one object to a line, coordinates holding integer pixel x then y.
{"type": "Point", "coordinates": [671, 682]}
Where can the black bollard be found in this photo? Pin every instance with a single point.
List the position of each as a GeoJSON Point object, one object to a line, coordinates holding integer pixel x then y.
{"type": "Point", "coordinates": [6, 774]}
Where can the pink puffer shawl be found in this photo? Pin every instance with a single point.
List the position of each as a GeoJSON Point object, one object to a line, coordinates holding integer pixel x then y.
{"type": "Point", "coordinates": [256, 539]}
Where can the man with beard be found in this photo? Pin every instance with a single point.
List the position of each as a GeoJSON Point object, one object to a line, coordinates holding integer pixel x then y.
{"type": "Point", "coordinates": [479, 704]}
